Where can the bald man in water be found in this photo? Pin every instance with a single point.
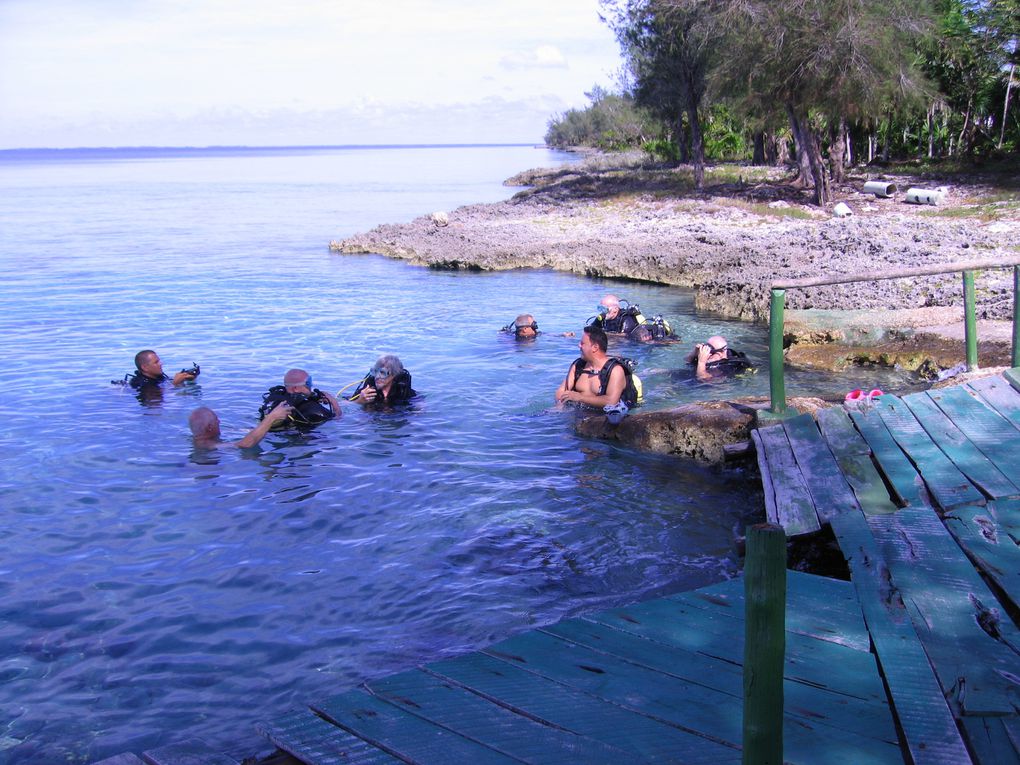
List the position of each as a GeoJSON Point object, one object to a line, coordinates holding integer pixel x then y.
{"type": "Point", "coordinates": [205, 428]}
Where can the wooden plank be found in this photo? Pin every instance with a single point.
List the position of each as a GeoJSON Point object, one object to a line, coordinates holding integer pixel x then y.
{"type": "Point", "coordinates": [1012, 376]}
{"type": "Point", "coordinates": [971, 648]}
{"type": "Point", "coordinates": [904, 480]}
{"type": "Point", "coordinates": [999, 395]}
{"type": "Point", "coordinates": [970, 460]}
{"type": "Point", "coordinates": [552, 703]}
{"type": "Point", "coordinates": [692, 707]}
{"type": "Point", "coordinates": [840, 433]}
{"type": "Point", "coordinates": [947, 485]}
{"type": "Point", "coordinates": [995, 436]}
{"type": "Point", "coordinates": [929, 728]}
{"type": "Point", "coordinates": [192, 751]}
{"type": "Point", "coordinates": [454, 708]}
{"type": "Point", "coordinates": [869, 488]}
{"type": "Point", "coordinates": [831, 494]}
{"type": "Point", "coordinates": [315, 741]}
{"type": "Point", "coordinates": [846, 699]}
{"type": "Point", "coordinates": [767, 487]}
{"type": "Point", "coordinates": [402, 734]}
{"type": "Point", "coordinates": [990, 543]}
{"type": "Point", "coordinates": [995, 740]}
{"type": "Point", "coordinates": [121, 759]}
{"type": "Point", "coordinates": [795, 511]}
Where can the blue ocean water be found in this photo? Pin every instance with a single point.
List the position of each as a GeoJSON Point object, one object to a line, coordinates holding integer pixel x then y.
{"type": "Point", "coordinates": [153, 592]}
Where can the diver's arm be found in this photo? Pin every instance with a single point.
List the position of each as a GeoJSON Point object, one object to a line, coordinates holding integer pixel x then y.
{"type": "Point", "coordinates": [333, 403]}
{"type": "Point", "coordinates": [182, 377]}
{"type": "Point", "coordinates": [614, 390]}
{"type": "Point", "coordinates": [702, 373]}
{"type": "Point", "coordinates": [256, 434]}
{"type": "Point", "coordinates": [565, 387]}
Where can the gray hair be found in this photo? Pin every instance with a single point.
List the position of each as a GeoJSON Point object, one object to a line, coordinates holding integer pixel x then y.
{"type": "Point", "coordinates": [389, 362]}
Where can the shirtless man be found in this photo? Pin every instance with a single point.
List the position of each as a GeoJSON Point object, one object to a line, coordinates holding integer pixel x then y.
{"type": "Point", "coordinates": [149, 371]}
{"type": "Point", "coordinates": [587, 388]}
{"type": "Point", "coordinates": [205, 428]}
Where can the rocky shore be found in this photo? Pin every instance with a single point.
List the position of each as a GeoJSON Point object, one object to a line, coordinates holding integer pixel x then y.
{"type": "Point", "coordinates": [615, 216]}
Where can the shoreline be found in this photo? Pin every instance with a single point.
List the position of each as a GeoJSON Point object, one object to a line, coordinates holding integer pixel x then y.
{"type": "Point", "coordinates": [613, 216]}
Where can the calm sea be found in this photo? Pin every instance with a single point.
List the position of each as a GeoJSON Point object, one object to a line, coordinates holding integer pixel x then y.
{"type": "Point", "coordinates": [151, 592]}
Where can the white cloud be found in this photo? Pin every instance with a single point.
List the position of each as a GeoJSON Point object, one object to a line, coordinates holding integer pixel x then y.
{"type": "Point", "coordinates": [542, 57]}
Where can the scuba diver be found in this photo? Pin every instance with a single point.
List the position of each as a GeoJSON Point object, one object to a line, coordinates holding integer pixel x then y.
{"type": "Point", "coordinates": [205, 427]}
{"type": "Point", "coordinates": [387, 384]}
{"type": "Point", "coordinates": [714, 358]}
{"type": "Point", "coordinates": [599, 380]}
{"type": "Point", "coordinates": [617, 318]}
{"type": "Point", "coordinates": [309, 406]}
{"type": "Point", "coordinates": [149, 371]}
{"type": "Point", "coordinates": [524, 327]}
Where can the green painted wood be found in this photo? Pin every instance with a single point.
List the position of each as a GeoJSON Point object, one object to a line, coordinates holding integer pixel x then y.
{"type": "Point", "coordinates": [948, 603]}
{"type": "Point", "coordinates": [999, 395]}
{"type": "Point", "coordinates": [451, 706]}
{"type": "Point", "coordinates": [907, 485]}
{"type": "Point", "coordinates": [402, 734]}
{"type": "Point", "coordinates": [840, 433]}
{"type": "Point", "coordinates": [970, 460]}
{"type": "Point", "coordinates": [188, 752]}
{"type": "Point", "coordinates": [795, 511]}
{"type": "Point", "coordinates": [868, 486]}
{"type": "Point", "coordinates": [819, 607]}
{"type": "Point", "coordinates": [850, 700]}
{"type": "Point", "coordinates": [692, 707]}
{"type": "Point", "coordinates": [995, 436]}
{"type": "Point", "coordinates": [830, 492]}
{"type": "Point", "coordinates": [991, 543]}
{"type": "Point", "coordinates": [121, 759]}
{"type": "Point", "coordinates": [929, 728]}
{"type": "Point", "coordinates": [315, 741]}
{"type": "Point", "coordinates": [1012, 376]}
{"type": "Point", "coordinates": [718, 636]}
{"type": "Point", "coordinates": [947, 485]}
{"type": "Point", "coordinates": [555, 704]}
{"type": "Point", "coordinates": [995, 740]}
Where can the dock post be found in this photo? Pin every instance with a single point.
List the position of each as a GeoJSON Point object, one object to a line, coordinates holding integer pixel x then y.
{"type": "Point", "coordinates": [1016, 316]}
{"type": "Point", "coordinates": [970, 320]}
{"type": "Point", "coordinates": [764, 644]}
{"type": "Point", "coordinates": [777, 386]}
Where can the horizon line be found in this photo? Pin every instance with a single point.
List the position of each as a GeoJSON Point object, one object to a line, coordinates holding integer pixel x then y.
{"type": "Point", "coordinates": [259, 147]}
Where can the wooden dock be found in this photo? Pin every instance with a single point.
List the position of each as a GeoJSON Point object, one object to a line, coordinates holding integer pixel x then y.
{"type": "Point", "coordinates": [917, 659]}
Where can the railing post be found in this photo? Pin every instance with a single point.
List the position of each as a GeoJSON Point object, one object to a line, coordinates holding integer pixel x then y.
{"type": "Point", "coordinates": [764, 644]}
{"type": "Point", "coordinates": [1016, 316]}
{"type": "Point", "coordinates": [777, 386]}
{"type": "Point", "coordinates": [970, 320]}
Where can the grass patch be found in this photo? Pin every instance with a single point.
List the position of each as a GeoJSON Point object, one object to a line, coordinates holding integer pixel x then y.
{"type": "Point", "coordinates": [985, 211]}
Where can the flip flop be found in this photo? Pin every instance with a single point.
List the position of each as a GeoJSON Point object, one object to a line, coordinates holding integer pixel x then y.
{"type": "Point", "coordinates": [855, 395]}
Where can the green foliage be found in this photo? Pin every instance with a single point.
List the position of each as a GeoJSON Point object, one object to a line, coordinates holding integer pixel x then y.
{"type": "Point", "coordinates": [612, 122]}
{"type": "Point", "coordinates": [663, 150]}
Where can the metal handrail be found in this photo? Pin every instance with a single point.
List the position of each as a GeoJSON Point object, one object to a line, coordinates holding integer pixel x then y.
{"type": "Point", "coordinates": [777, 384]}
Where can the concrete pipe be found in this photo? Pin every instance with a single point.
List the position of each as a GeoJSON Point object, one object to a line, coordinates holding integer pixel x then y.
{"type": "Point", "coordinates": [880, 188]}
{"type": "Point", "coordinates": [924, 196]}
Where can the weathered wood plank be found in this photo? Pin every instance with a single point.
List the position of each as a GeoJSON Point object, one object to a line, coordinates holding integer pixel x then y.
{"type": "Point", "coordinates": [767, 486]}
{"type": "Point", "coordinates": [1000, 396]}
{"type": "Point", "coordinates": [795, 511]}
{"type": "Point", "coordinates": [970, 460]}
{"type": "Point", "coordinates": [840, 433]}
{"type": "Point", "coordinates": [189, 752]}
{"type": "Point", "coordinates": [831, 494]}
{"type": "Point", "coordinates": [1012, 376]}
{"type": "Point", "coordinates": [972, 651]}
{"type": "Point", "coordinates": [315, 741]}
{"type": "Point", "coordinates": [850, 700]}
{"type": "Point", "coordinates": [530, 694]}
{"type": "Point", "coordinates": [692, 707]}
{"type": "Point", "coordinates": [869, 488]}
{"type": "Point", "coordinates": [451, 706]}
{"type": "Point", "coordinates": [989, 539]}
{"type": "Point", "coordinates": [929, 728]}
{"type": "Point", "coordinates": [906, 483]}
{"type": "Point", "coordinates": [995, 436]}
{"type": "Point", "coordinates": [121, 759]}
{"type": "Point", "coordinates": [995, 740]}
{"type": "Point", "coordinates": [403, 734]}
{"type": "Point", "coordinates": [947, 485]}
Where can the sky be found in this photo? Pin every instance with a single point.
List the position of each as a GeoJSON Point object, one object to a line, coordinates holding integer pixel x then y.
{"type": "Point", "coordinates": [269, 73]}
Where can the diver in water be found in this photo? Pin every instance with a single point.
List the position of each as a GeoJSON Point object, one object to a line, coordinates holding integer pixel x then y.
{"type": "Point", "coordinates": [713, 359]}
{"type": "Point", "coordinates": [387, 384]}
{"type": "Point", "coordinates": [205, 427]}
{"type": "Point", "coordinates": [309, 406]}
{"type": "Point", "coordinates": [598, 380]}
{"type": "Point", "coordinates": [524, 327]}
{"type": "Point", "coordinates": [149, 371]}
{"type": "Point", "coordinates": [615, 318]}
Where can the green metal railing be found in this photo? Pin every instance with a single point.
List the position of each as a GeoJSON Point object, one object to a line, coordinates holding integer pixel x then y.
{"type": "Point", "coordinates": [777, 385]}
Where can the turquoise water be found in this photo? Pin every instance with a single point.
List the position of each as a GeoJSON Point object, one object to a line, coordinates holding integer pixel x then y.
{"type": "Point", "coordinates": [153, 592]}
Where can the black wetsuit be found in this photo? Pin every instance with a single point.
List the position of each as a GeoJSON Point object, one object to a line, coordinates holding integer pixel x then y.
{"type": "Point", "coordinates": [307, 410]}
{"type": "Point", "coordinates": [623, 322]}
{"type": "Point", "coordinates": [400, 391]}
{"type": "Point", "coordinates": [137, 380]}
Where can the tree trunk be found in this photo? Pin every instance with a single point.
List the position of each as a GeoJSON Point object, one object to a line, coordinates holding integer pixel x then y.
{"type": "Point", "coordinates": [812, 148]}
{"type": "Point", "coordinates": [681, 140]}
{"type": "Point", "coordinates": [697, 145]}
{"type": "Point", "coordinates": [837, 147]}
{"type": "Point", "coordinates": [1005, 106]}
{"type": "Point", "coordinates": [801, 180]}
{"type": "Point", "coordinates": [759, 148]}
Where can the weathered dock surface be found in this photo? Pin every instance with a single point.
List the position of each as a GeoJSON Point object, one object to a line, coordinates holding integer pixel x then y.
{"type": "Point", "coordinates": [660, 681]}
{"type": "Point", "coordinates": [923, 495]}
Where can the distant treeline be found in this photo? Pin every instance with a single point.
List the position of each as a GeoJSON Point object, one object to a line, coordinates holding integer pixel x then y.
{"type": "Point", "coordinates": [824, 83]}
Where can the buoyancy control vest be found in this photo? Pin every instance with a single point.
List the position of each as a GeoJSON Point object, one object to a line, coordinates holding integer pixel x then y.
{"type": "Point", "coordinates": [400, 392]}
{"type": "Point", "coordinates": [307, 410]}
{"type": "Point", "coordinates": [632, 391]}
{"type": "Point", "coordinates": [625, 320]}
{"type": "Point", "coordinates": [734, 363]}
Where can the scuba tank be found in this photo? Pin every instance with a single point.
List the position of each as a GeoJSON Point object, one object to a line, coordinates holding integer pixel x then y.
{"type": "Point", "coordinates": [307, 410]}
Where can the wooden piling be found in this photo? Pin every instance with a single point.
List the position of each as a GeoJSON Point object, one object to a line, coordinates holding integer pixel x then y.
{"type": "Point", "coordinates": [764, 644]}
